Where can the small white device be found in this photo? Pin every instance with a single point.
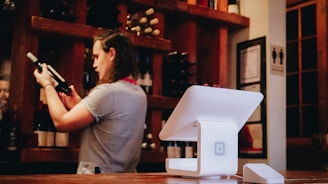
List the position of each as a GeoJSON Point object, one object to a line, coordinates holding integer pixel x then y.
{"type": "Point", "coordinates": [212, 117]}
{"type": "Point", "coordinates": [261, 173]}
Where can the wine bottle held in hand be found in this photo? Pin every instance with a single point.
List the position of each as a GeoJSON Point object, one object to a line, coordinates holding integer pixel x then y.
{"type": "Point", "coordinates": [60, 84]}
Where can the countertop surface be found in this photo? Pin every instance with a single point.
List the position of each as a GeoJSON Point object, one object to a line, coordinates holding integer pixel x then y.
{"type": "Point", "coordinates": [155, 178]}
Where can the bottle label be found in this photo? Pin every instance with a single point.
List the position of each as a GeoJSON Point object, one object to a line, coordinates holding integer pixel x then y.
{"type": "Point", "coordinates": [188, 152]}
{"type": "Point", "coordinates": [62, 139]}
{"type": "Point", "coordinates": [50, 139]}
{"type": "Point", "coordinates": [170, 152]}
{"type": "Point", "coordinates": [42, 138]}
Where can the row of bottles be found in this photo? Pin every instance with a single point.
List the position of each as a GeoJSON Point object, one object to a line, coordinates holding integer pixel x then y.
{"type": "Point", "coordinates": [174, 149]}
{"type": "Point", "coordinates": [177, 70]}
{"type": "Point", "coordinates": [177, 149]}
{"type": "Point", "coordinates": [9, 5]}
{"type": "Point", "coordinates": [9, 134]}
{"type": "Point", "coordinates": [213, 4]}
{"type": "Point", "coordinates": [58, 10]}
{"type": "Point", "coordinates": [233, 6]}
{"type": "Point", "coordinates": [143, 23]}
{"type": "Point", "coordinates": [90, 77]}
{"type": "Point", "coordinates": [180, 149]}
{"type": "Point", "coordinates": [144, 60]}
{"type": "Point", "coordinates": [44, 128]}
{"type": "Point", "coordinates": [148, 143]}
{"type": "Point", "coordinates": [104, 14]}
{"type": "Point", "coordinates": [100, 13]}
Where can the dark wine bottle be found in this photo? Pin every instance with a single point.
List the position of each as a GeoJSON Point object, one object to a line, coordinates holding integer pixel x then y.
{"type": "Point", "coordinates": [39, 126]}
{"type": "Point", "coordinates": [60, 83]}
{"type": "Point", "coordinates": [3, 131]}
{"type": "Point", "coordinates": [12, 151]}
{"type": "Point", "coordinates": [58, 10]}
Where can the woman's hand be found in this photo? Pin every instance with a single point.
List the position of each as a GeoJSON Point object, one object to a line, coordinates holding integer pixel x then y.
{"type": "Point", "coordinates": [71, 100]}
{"type": "Point", "coordinates": [43, 78]}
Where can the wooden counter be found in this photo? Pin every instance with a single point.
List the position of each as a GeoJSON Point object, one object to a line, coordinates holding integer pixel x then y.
{"type": "Point", "coordinates": [158, 178]}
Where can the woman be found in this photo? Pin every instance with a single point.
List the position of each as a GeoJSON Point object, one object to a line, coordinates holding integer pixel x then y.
{"type": "Point", "coordinates": [112, 115]}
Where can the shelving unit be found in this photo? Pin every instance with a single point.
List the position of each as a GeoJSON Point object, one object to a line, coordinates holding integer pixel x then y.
{"type": "Point", "coordinates": [195, 26]}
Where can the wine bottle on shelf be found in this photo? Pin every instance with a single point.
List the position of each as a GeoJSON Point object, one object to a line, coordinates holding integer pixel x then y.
{"type": "Point", "coordinates": [62, 139]}
{"type": "Point", "coordinates": [189, 152]}
{"type": "Point", "coordinates": [177, 149]}
{"type": "Point", "coordinates": [137, 21]}
{"type": "Point", "coordinates": [146, 31]}
{"type": "Point", "coordinates": [51, 130]}
{"type": "Point", "coordinates": [170, 150]}
{"type": "Point", "coordinates": [128, 22]}
{"type": "Point", "coordinates": [233, 7]}
{"type": "Point", "coordinates": [213, 4]}
{"type": "Point", "coordinates": [103, 14]}
{"type": "Point", "coordinates": [61, 10]}
{"type": "Point", "coordinates": [143, 23]}
{"type": "Point", "coordinates": [3, 130]}
{"type": "Point", "coordinates": [155, 32]}
{"type": "Point", "coordinates": [13, 139]}
{"type": "Point", "coordinates": [44, 128]}
{"type": "Point", "coordinates": [9, 5]}
{"type": "Point", "coordinates": [2, 139]}
{"type": "Point", "coordinates": [39, 126]}
{"type": "Point", "coordinates": [177, 70]}
{"type": "Point", "coordinates": [46, 125]}
{"type": "Point", "coordinates": [148, 28]}
{"type": "Point", "coordinates": [147, 83]}
{"type": "Point", "coordinates": [149, 23]}
{"type": "Point", "coordinates": [147, 143]}
{"type": "Point", "coordinates": [141, 17]}
{"type": "Point", "coordinates": [139, 31]}
{"type": "Point", "coordinates": [60, 83]}
{"type": "Point", "coordinates": [169, 74]}
{"type": "Point", "coordinates": [144, 144]}
{"type": "Point", "coordinates": [163, 144]}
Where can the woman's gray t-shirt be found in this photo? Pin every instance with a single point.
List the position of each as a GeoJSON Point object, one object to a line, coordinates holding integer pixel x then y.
{"type": "Point", "coordinates": [113, 142]}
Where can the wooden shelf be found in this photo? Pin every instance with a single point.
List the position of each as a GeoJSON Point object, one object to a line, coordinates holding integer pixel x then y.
{"type": "Point", "coordinates": [233, 21]}
{"type": "Point", "coordinates": [69, 155]}
{"type": "Point", "coordinates": [153, 157]}
{"type": "Point", "coordinates": [49, 155]}
{"type": "Point", "coordinates": [150, 42]}
{"type": "Point", "coordinates": [162, 102]}
{"type": "Point", "coordinates": [45, 25]}
{"type": "Point", "coordinates": [50, 26]}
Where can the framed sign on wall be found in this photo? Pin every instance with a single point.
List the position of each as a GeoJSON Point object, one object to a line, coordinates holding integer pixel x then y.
{"type": "Point", "coordinates": [251, 76]}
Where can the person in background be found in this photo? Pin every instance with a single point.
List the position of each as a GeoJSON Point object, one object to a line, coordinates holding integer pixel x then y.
{"type": "Point", "coordinates": [112, 115]}
{"type": "Point", "coordinates": [4, 90]}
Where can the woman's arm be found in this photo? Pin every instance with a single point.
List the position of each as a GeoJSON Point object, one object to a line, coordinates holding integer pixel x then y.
{"type": "Point", "coordinates": [64, 120]}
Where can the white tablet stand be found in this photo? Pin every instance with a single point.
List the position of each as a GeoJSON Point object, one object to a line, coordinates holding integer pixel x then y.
{"type": "Point", "coordinates": [217, 152]}
{"type": "Point", "coordinates": [212, 117]}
